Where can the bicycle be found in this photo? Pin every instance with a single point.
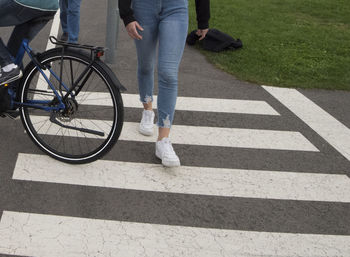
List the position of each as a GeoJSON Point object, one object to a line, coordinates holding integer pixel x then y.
{"type": "Point", "coordinates": [69, 101]}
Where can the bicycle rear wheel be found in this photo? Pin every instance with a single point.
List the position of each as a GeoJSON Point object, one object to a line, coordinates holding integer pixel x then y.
{"type": "Point", "coordinates": [91, 122]}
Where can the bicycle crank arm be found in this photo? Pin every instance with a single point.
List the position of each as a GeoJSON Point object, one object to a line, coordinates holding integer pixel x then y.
{"type": "Point", "coordinates": [90, 131]}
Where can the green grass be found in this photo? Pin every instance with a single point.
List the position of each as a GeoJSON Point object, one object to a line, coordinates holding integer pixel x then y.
{"type": "Point", "coordinates": [287, 43]}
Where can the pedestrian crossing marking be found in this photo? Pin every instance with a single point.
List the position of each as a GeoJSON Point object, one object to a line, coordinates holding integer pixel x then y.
{"type": "Point", "coordinates": [190, 135]}
{"type": "Point", "coordinates": [187, 180]}
{"type": "Point", "coordinates": [184, 103]}
{"type": "Point", "coordinates": [226, 137]}
{"type": "Point", "coordinates": [41, 235]}
{"type": "Point", "coordinates": [210, 105]}
{"type": "Point", "coordinates": [328, 127]}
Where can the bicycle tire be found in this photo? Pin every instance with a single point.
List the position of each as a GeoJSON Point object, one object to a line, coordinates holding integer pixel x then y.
{"type": "Point", "coordinates": [106, 76]}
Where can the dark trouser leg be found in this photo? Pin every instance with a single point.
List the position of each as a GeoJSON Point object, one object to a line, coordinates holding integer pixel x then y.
{"type": "Point", "coordinates": [13, 14]}
{"type": "Point", "coordinates": [26, 30]}
{"type": "Point", "coordinates": [5, 57]}
{"type": "Point", "coordinates": [63, 15]}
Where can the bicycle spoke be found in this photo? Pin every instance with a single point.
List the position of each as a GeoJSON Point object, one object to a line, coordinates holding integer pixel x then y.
{"type": "Point", "coordinates": [73, 133]}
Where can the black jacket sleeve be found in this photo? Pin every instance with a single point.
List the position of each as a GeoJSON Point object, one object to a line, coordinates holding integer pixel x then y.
{"type": "Point", "coordinates": [203, 13]}
{"type": "Point", "coordinates": [125, 11]}
{"type": "Point", "coordinates": [202, 10]}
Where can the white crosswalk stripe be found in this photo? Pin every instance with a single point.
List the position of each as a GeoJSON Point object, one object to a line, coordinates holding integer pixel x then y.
{"type": "Point", "coordinates": [336, 133]}
{"type": "Point", "coordinates": [182, 103]}
{"type": "Point", "coordinates": [227, 137]}
{"type": "Point", "coordinates": [187, 180]}
{"type": "Point", "coordinates": [47, 235]}
{"type": "Point", "coordinates": [190, 104]}
{"type": "Point", "coordinates": [191, 135]}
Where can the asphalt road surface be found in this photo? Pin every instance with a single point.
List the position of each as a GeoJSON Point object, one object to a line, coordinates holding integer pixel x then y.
{"type": "Point", "coordinates": [265, 172]}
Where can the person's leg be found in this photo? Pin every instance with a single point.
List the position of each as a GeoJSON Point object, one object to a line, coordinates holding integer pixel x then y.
{"type": "Point", "coordinates": [8, 11]}
{"type": "Point", "coordinates": [11, 14]}
{"type": "Point", "coordinates": [63, 15]}
{"type": "Point", "coordinates": [146, 55]}
{"type": "Point", "coordinates": [5, 57]}
{"type": "Point", "coordinates": [8, 70]}
{"type": "Point", "coordinates": [73, 20]}
{"type": "Point", "coordinates": [172, 36]}
{"type": "Point", "coordinates": [145, 14]}
{"type": "Point", "coordinates": [14, 14]}
{"type": "Point", "coordinates": [28, 30]}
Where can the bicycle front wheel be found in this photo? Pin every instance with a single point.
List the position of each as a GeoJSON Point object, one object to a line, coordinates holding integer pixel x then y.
{"type": "Point", "coordinates": [91, 122]}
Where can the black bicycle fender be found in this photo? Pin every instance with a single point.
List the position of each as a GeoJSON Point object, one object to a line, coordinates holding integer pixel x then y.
{"type": "Point", "coordinates": [113, 77]}
{"type": "Point", "coordinates": [117, 82]}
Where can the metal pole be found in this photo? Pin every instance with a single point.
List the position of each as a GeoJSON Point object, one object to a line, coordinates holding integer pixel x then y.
{"type": "Point", "coordinates": [112, 30]}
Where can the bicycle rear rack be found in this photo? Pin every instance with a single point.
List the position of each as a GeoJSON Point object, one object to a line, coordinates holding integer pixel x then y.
{"type": "Point", "coordinates": [97, 50]}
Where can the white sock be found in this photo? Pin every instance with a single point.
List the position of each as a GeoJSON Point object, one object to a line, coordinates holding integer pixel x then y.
{"type": "Point", "coordinates": [9, 67]}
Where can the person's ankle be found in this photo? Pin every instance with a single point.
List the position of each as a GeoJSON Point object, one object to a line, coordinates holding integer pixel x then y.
{"type": "Point", "coordinates": [148, 106]}
{"type": "Point", "coordinates": [161, 137]}
{"type": "Point", "coordinates": [163, 133]}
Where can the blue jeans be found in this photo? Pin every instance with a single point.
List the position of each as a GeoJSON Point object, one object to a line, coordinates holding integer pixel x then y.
{"type": "Point", "coordinates": [13, 14]}
{"type": "Point", "coordinates": [165, 22]}
{"type": "Point", "coordinates": [70, 18]}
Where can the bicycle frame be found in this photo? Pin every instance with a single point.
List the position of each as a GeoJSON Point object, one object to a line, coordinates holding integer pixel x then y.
{"type": "Point", "coordinates": [38, 104]}
{"type": "Point", "coordinates": [96, 52]}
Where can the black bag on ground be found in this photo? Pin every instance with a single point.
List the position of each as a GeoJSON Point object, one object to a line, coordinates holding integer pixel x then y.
{"type": "Point", "coordinates": [215, 41]}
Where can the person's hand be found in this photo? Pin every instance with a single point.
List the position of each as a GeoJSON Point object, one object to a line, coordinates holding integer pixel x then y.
{"type": "Point", "coordinates": [132, 28]}
{"type": "Point", "coordinates": [202, 33]}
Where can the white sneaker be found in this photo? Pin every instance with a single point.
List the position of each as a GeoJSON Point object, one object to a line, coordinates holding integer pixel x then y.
{"type": "Point", "coordinates": [147, 123]}
{"type": "Point", "coordinates": [165, 152]}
